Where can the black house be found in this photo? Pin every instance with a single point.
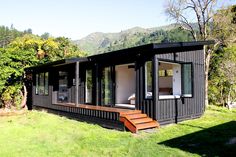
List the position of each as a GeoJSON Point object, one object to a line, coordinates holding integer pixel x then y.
{"type": "Point", "coordinates": [134, 87]}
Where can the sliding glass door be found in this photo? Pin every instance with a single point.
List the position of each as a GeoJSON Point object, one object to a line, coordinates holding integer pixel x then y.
{"type": "Point", "coordinates": [107, 91]}
{"type": "Point", "coordinates": [63, 93]}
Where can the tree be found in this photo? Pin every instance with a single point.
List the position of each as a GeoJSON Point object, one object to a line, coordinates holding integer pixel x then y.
{"type": "Point", "coordinates": [201, 12]}
{"type": "Point", "coordinates": [67, 49]}
{"type": "Point", "coordinates": [8, 34]}
{"type": "Point", "coordinates": [222, 78]}
{"type": "Point", "coordinates": [225, 31]}
{"type": "Point", "coordinates": [28, 31]}
{"type": "Point", "coordinates": [224, 25]}
{"type": "Point", "coordinates": [45, 35]}
{"type": "Point", "coordinates": [13, 61]}
{"type": "Point", "coordinates": [23, 52]}
{"type": "Point", "coordinates": [228, 69]}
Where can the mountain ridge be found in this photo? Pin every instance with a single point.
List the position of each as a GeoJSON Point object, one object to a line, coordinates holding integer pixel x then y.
{"type": "Point", "coordinates": [99, 42]}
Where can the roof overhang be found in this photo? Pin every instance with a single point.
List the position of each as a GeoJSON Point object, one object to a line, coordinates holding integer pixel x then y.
{"type": "Point", "coordinates": [157, 48]}
{"type": "Point", "coordinates": [58, 63]}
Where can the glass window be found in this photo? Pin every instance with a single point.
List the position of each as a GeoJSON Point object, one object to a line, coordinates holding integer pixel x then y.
{"type": "Point", "coordinates": [161, 73]}
{"type": "Point", "coordinates": [165, 73]}
{"type": "Point", "coordinates": [187, 79]}
{"type": "Point", "coordinates": [46, 83]}
{"type": "Point", "coordinates": [106, 85]}
{"type": "Point", "coordinates": [63, 92]}
{"type": "Point", "coordinates": [148, 79]}
{"type": "Point", "coordinates": [89, 86]}
{"type": "Point", "coordinates": [169, 72]}
{"type": "Point", "coordinates": [41, 84]}
{"type": "Point", "coordinates": [174, 80]}
{"type": "Point", "coordinates": [167, 82]}
{"type": "Point", "coordinates": [177, 80]}
{"type": "Point", "coordinates": [37, 84]}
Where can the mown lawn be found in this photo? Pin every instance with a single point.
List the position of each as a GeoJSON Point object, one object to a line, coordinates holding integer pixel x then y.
{"type": "Point", "coordinates": [39, 134]}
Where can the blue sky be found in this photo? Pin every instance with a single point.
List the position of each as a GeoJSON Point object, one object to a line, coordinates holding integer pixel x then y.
{"type": "Point", "coordinates": [78, 18]}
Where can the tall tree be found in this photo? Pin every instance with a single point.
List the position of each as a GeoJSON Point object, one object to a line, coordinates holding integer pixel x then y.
{"type": "Point", "coordinates": [201, 12]}
{"type": "Point", "coordinates": [13, 61]}
{"type": "Point", "coordinates": [224, 25]}
{"type": "Point", "coordinates": [220, 83]}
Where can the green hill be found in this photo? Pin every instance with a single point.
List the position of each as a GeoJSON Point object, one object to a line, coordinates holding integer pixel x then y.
{"type": "Point", "coordinates": [99, 42]}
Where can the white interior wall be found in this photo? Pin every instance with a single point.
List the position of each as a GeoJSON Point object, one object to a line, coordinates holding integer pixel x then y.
{"type": "Point", "coordinates": [176, 79]}
{"type": "Point", "coordinates": [125, 83]}
{"type": "Point", "coordinates": [165, 82]}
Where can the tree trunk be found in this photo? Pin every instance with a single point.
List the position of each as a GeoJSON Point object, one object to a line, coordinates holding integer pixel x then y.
{"type": "Point", "coordinates": [207, 65]}
{"type": "Point", "coordinates": [228, 97]}
{"type": "Point", "coordinates": [24, 98]}
{"type": "Point", "coordinates": [221, 95]}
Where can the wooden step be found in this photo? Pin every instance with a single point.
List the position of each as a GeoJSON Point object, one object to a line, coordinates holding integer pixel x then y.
{"type": "Point", "coordinates": [141, 120]}
{"type": "Point", "coordinates": [136, 116]}
{"type": "Point", "coordinates": [130, 126]}
{"type": "Point", "coordinates": [134, 120]}
{"type": "Point", "coordinates": [122, 114]}
{"type": "Point", "coordinates": [152, 124]}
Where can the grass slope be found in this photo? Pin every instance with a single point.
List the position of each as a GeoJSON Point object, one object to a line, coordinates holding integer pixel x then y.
{"type": "Point", "coordinates": [41, 134]}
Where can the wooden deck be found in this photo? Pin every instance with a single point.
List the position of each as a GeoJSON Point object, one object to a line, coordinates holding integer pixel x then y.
{"type": "Point", "coordinates": [98, 108]}
{"type": "Point", "coordinates": [107, 109]}
{"type": "Point", "coordinates": [134, 120]}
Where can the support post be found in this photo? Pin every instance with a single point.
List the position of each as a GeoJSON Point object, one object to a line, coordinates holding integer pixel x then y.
{"type": "Point", "coordinates": [98, 86]}
{"type": "Point", "coordinates": [77, 84]}
{"type": "Point", "coordinates": [155, 87]}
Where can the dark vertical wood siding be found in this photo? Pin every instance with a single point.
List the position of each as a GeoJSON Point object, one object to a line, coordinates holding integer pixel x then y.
{"type": "Point", "coordinates": [165, 111]}
{"type": "Point", "coordinates": [179, 109]}
{"type": "Point", "coordinates": [173, 110]}
{"type": "Point", "coordinates": [114, 116]}
{"type": "Point", "coordinates": [42, 100]}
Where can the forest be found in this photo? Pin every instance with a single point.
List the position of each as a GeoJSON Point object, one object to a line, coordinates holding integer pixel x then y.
{"type": "Point", "coordinates": [22, 49]}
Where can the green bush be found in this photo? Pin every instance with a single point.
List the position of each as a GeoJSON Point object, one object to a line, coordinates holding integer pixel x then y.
{"type": "Point", "coordinates": [11, 97]}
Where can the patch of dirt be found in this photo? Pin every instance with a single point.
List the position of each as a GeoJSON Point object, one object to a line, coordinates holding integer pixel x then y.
{"type": "Point", "coordinates": [231, 141]}
{"type": "Point", "coordinates": [9, 112]}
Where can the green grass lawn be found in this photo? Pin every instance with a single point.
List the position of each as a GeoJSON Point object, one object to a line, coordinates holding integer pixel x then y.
{"type": "Point", "coordinates": [39, 134]}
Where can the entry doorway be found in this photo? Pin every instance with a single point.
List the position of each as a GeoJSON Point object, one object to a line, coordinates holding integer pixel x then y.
{"type": "Point", "coordinates": [125, 78]}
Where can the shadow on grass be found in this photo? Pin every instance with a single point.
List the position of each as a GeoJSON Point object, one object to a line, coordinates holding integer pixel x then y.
{"type": "Point", "coordinates": [219, 140]}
